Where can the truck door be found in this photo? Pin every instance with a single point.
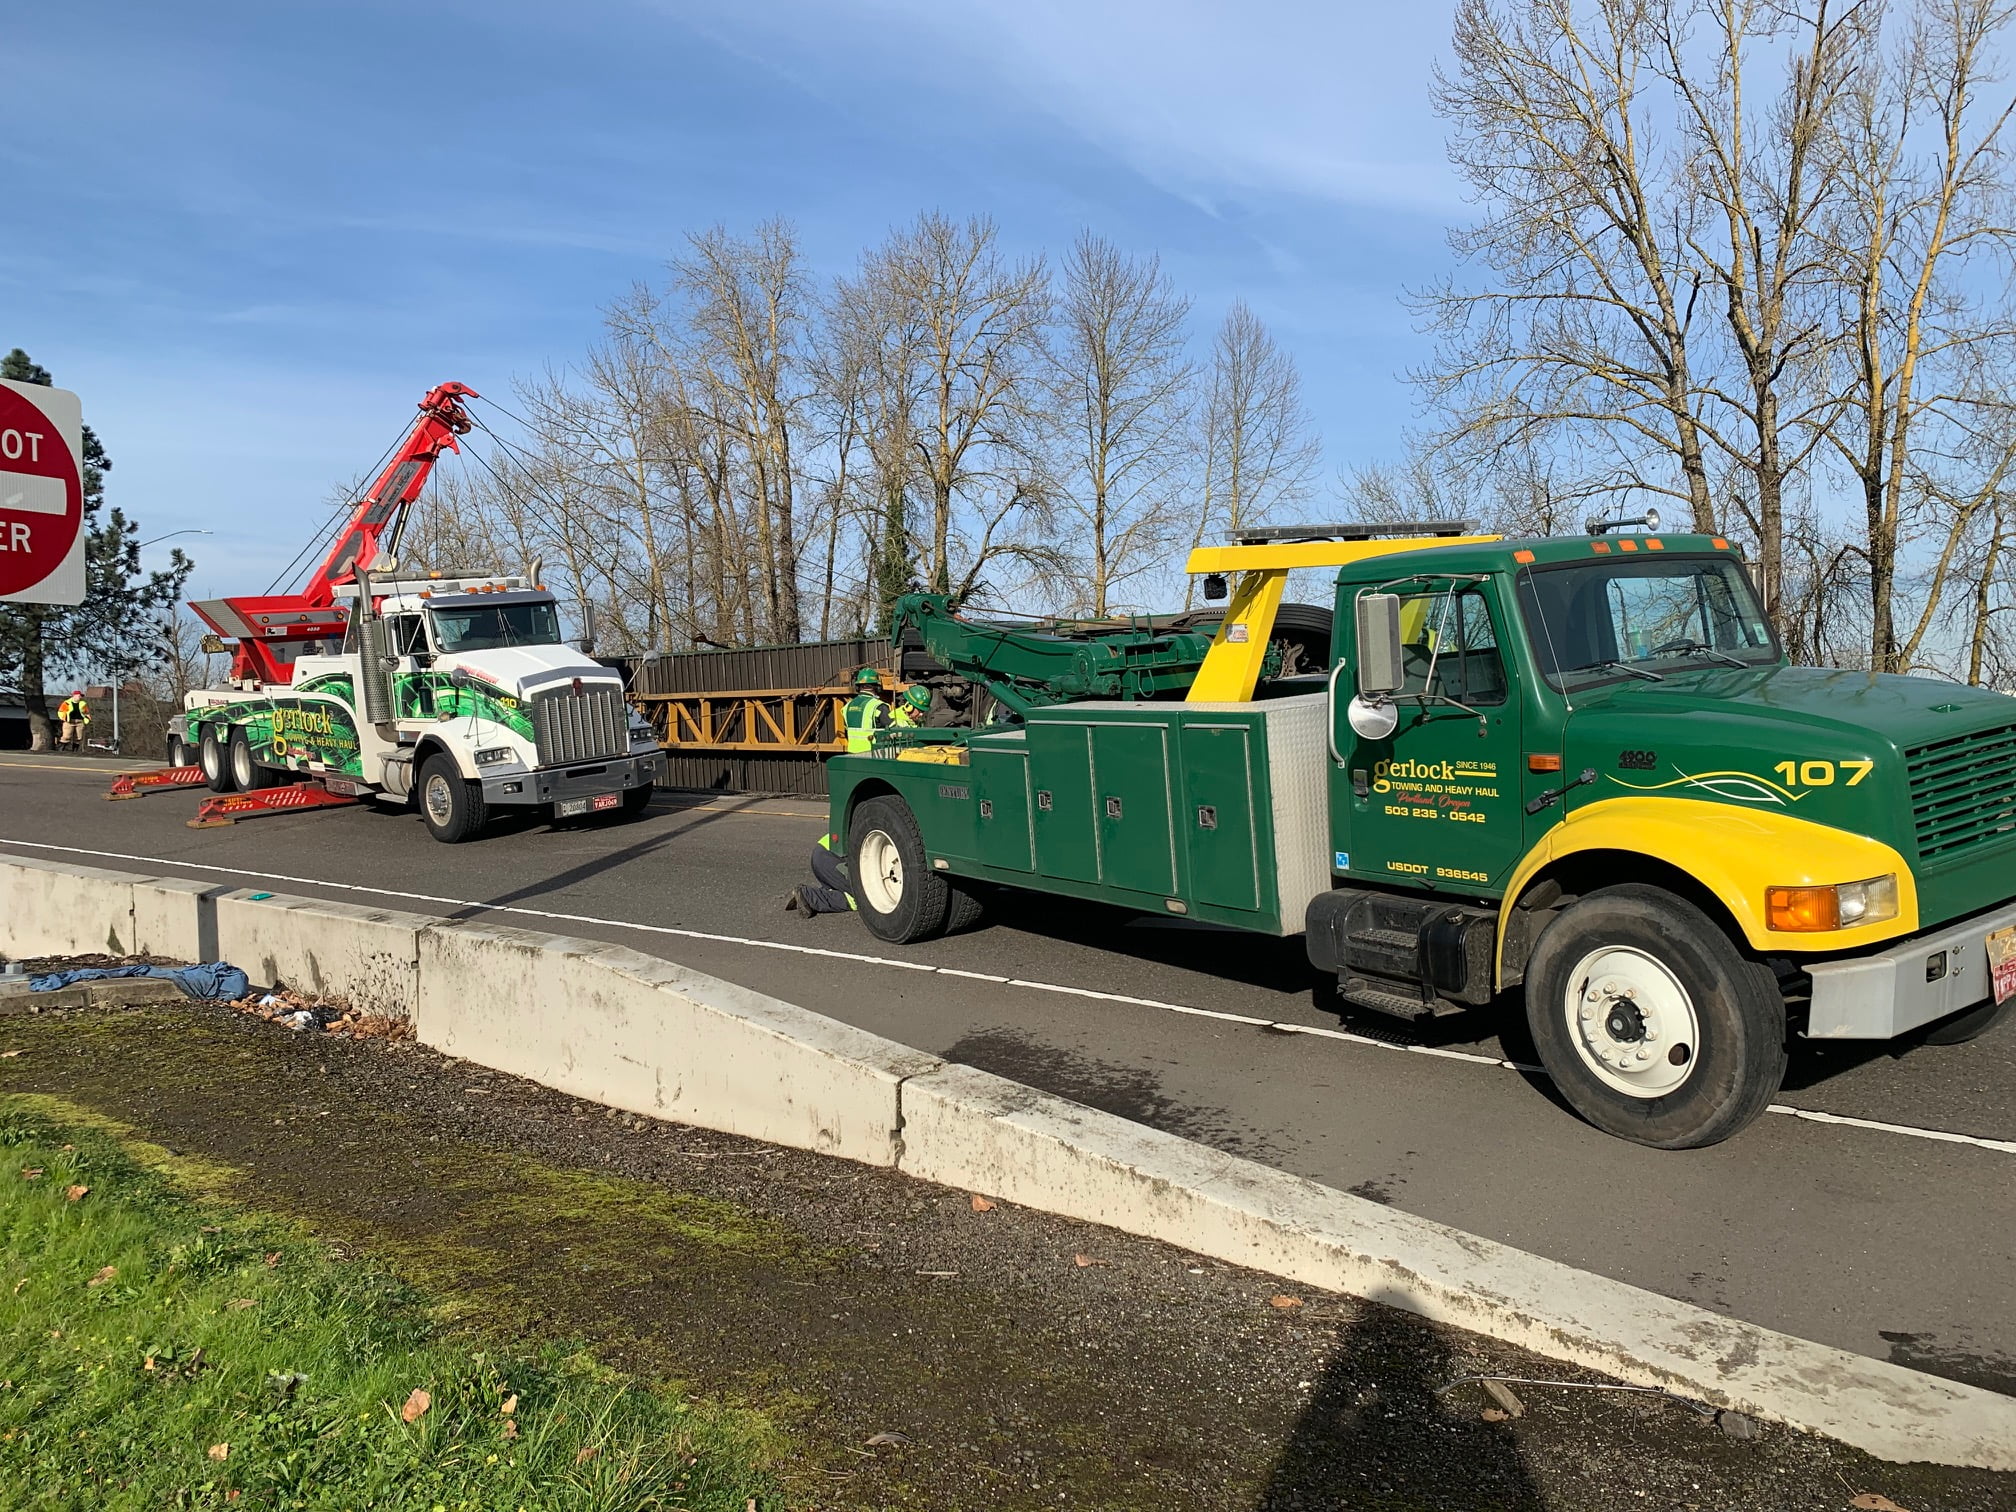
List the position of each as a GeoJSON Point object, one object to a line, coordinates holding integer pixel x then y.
{"type": "Point", "coordinates": [1436, 803]}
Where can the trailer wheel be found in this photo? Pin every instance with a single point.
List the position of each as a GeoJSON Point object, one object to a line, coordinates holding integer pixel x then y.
{"type": "Point", "coordinates": [178, 751]}
{"type": "Point", "coordinates": [898, 896]}
{"type": "Point", "coordinates": [1651, 1022]}
{"type": "Point", "coordinates": [453, 807]}
{"type": "Point", "coordinates": [210, 756]}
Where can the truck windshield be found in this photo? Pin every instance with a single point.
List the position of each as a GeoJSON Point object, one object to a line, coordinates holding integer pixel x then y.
{"type": "Point", "coordinates": [1642, 617]}
{"type": "Point", "coordinates": [490, 626]}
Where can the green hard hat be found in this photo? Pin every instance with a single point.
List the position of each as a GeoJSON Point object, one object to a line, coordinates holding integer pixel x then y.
{"type": "Point", "coordinates": [867, 677]}
{"type": "Point", "coordinates": [917, 696]}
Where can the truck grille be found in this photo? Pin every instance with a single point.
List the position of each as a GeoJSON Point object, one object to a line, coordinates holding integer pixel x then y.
{"type": "Point", "coordinates": [1963, 792]}
{"type": "Point", "coordinates": [587, 726]}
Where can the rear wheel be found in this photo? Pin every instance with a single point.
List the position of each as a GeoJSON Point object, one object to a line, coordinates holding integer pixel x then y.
{"type": "Point", "coordinates": [453, 807]}
{"type": "Point", "coordinates": [1970, 1025]}
{"type": "Point", "coordinates": [247, 776]}
{"type": "Point", "coordinates": [210, 756]}
{"type": "Point", "coordinates": [1651, 1022]}
{"type": "Point", "coordinates": [897, 894]}
{"type": "Point", "coordinates": [178, 751]}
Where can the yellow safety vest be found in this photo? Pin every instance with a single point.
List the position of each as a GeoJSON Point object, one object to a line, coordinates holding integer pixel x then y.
{"type": "Point", "coordinates": [864, 715]}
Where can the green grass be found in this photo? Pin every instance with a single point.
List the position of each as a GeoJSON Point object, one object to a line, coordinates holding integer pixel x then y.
{"type": "Point", "coordinates": [208, 1327]}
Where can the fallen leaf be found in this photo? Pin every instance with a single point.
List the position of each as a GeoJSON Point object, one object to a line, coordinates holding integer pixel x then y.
{"type": "Point", "coordinates": [886, 1440]}
{"type": "Point", "coordinates": [510, 1428]}
{"type": "Point", "coordinates": [76, 1193]}
{"type": "Point", "coordinates": [239, 1304]}
{"type": "Point", "coordinates": [19, 1284]}
{"type": "Point", "coordinates": [1284, 1303]}
{"type": "Point", "coordinates": [103, 1276]}
{"type": "Point", "coordinates": [272, 1259]}
{"type": "Point", "coordinates": [1081, 1261]}
{"type": "Point", "coordinates": [220, 1451]}
{"type": "Point", "coordinates": [510, 1404]}
{"type": "Point", "coordinates": [10, 1054]}
{"type": "Point", "coordinates": [1496, 1415]}
{"type": "Point", "coordinates": [31, 1173]}
{"type": "Point", "coordinates": [416, 1404]}
{"type": "Point", "coordinates": [148, 1363]}
{"type": "Point", "coordinates": [587, 1453]}
{"type": "Point", "coordinates": [233, 1494]}
{"type": "Point", "coordinates": [1869, 1501]}
{"type": "Point", "coordinates": [981, 1204]}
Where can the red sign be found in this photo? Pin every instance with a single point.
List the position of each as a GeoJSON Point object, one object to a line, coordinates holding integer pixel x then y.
{"type": "Point", "coordinates": [2002, 963]}
{"type": "Point", "coordinates": [41, 495]}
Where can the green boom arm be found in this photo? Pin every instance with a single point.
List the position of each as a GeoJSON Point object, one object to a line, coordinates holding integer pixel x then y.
{"type": "Point", "coordinates": [1028, 669]}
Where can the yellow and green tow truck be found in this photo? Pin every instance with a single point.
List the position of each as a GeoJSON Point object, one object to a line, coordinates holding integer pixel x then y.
{"type": "Point", "coordinates": [1577, 769]}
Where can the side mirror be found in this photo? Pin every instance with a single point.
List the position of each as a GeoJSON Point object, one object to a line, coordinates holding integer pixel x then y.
{"type": "Point", "coordinates": [459, 676]}
{"type": "Point", "coordinates": [587, 629]}
{"type": "Point", "coordinates": [1380, 670]}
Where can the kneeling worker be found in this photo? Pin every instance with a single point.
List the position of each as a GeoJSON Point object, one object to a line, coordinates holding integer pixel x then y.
{"type": "Point", "coordinates": [831, 894]}
{"type": "Point", "coordinates": [910, 711]}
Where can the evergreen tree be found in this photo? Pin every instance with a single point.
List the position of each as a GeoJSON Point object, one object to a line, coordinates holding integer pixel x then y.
{"type": "Point", "coordinates": [117, 630]}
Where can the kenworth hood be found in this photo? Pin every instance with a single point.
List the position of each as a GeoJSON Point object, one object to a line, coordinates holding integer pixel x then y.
{"type": "Point", "coordinates": [1927, 767]}
{"type": "Point", "coordinates": [524, 671]}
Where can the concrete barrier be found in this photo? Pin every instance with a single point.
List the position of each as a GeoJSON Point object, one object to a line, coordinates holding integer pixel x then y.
{"type": "Point", "coordinates": [639, 1033]}
{"type": "Point", "coordinates": [642, 1034]}
{"type": "Point", "coordinates": [366, 957]}
{"type": "Point", "coordinates": [967, 1128]}
{"type": "Point", "coordinates": [53, 908]}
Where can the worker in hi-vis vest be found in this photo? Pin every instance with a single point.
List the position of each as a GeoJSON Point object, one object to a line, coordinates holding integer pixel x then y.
{"type": "Point", "coordinates": [912, 707]}
{"type": "Point", "coordinates": [832, 894]}
{"type": "Point", "coordinates": [866, 712]}
{"type": "Point", "coordinates": [74, 714]}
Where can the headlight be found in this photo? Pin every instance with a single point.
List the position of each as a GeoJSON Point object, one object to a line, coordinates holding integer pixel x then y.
{"type": "Point", "coordinates": [1808, 910]}
{"type": "Point", "coordinates": [494, 755]}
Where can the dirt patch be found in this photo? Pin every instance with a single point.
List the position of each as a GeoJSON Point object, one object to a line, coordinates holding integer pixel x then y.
{"type": "Point", "coordinates": [1022, 1361]}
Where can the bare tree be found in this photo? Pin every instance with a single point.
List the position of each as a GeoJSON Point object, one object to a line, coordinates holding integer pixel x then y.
{"type": "Point", "coordinates": [1123, 392]}
{"type": "Point", "coordinates": [1924, 226]}
{"type": "Point", "coordinates": [1255, 442]}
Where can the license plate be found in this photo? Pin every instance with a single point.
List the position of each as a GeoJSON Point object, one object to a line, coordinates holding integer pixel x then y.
{"type": "Point", "coordinates": [2002, 962]}
{"type": "Point", "coordinates": [567, 808]}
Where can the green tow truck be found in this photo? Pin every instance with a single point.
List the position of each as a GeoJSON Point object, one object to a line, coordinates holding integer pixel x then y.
{"type": "Point", "coordinates": [1578, 766]}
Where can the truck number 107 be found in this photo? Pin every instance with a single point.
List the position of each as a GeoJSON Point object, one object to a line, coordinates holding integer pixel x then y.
{"type": "Point", "coordinates": [1821, 773]}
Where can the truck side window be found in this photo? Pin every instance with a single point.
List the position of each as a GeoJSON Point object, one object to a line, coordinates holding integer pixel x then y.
{"type": "Point", "coordinates": [408, 635]}
{"type": "Point", "coordinates": [1453, 633]}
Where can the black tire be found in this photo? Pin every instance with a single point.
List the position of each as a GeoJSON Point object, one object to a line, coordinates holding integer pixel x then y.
{"type": "Point", "coordinates": [966, 907]}
{"type": "Point", "coordinates": [903, 900]}
{"type": "Point", "coordinates": [452, 806]}
{"type": "Point", "coordinates": [247, 776]}
{"type": "Point", "coordinates": [636, 800]}
{"type": "Point", "coordinates": [212, 756]}
{"type": "Point", "coordinates": [1622, 944]}
{"type": "Point", "coordinates": [1970, 1024]}
{"type": "Point", "coordinates": [178, 751]}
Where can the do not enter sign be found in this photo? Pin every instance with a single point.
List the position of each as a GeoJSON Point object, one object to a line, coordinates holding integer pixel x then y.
{"type": "Point", "coordinates": [41, 495]}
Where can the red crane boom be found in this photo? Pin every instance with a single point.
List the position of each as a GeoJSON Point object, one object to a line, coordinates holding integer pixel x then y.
{"type": "Point", "coordinates": [265, 628]}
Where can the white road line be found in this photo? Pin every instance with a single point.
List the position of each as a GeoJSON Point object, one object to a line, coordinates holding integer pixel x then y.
{"type": "Point", "coordinates": [1941, 1136]}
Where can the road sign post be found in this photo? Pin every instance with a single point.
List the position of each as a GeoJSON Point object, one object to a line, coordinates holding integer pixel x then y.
{"type": "Point", "coordinates": [41, 495]}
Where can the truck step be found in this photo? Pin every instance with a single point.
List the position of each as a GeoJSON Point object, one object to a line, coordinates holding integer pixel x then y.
{"type": "Point", "coordinates": [1396, 999]}
{"type": "Point", "coordinates": [1384, 952]}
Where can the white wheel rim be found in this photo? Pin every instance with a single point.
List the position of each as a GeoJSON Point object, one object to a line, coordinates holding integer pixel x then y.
{"type": "Point", "coordinates": [1632, 1022]}
{"type": "Point", "coordinates": [440, 802]}
{"type": "Point", "coordinates": [212, 762]}
{"type": "Point", "coordinates": [241, 765]}
{"type": "Point", "coordinates": [879, 872]}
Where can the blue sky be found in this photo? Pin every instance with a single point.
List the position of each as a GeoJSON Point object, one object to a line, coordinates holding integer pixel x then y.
{"type": "Point", "coordinates": [251, 235]}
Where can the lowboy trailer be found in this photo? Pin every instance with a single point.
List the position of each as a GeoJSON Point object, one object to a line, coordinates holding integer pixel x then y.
{"type": "Point", "coordinates": [1580, 768]}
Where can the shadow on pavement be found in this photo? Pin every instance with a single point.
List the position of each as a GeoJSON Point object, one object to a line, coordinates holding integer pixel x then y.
{"type": "Point", "coordinates": [1374, 1433]}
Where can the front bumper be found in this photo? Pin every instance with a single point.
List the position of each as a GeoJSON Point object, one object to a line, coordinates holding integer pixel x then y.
{"type": "Point", "coordinates": [587, 779]}
{"type": "Point", "coordinates": [1914, 982]}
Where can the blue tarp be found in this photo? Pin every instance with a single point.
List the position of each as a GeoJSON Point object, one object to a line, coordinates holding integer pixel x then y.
{"type": "Point", "coordinates": [215, 982]}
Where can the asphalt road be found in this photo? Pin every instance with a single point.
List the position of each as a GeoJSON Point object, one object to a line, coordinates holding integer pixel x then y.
{"type": "Point", "coordinates": [1880, 1240]}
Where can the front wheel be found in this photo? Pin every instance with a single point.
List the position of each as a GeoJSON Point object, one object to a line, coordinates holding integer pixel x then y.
{"type": "Point", "coordinates": [178, 751]}
{"type": "Point", "coordinates": [453, 807]}
{"type": "Point", "coordinates": [636, 800]}
{"type": "Point", "coordinates": [1655, 1027]}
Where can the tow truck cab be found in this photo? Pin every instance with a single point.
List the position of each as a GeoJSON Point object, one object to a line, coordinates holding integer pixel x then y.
{"type": "Point", "coordinates": [1581, 767]}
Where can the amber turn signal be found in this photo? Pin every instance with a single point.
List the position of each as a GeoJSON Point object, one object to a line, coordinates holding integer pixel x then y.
{"type": "Point", "coordinates": [1802, 910]}
{"type": "Point", "coordinates": [1539, 763]}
